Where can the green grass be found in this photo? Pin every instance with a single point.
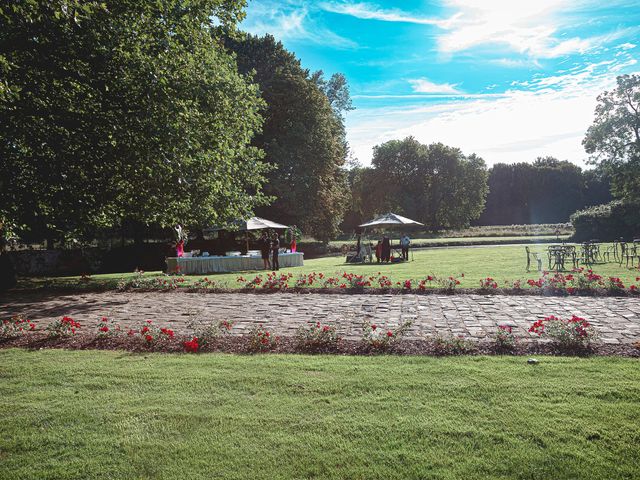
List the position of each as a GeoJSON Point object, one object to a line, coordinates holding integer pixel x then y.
{"type": "Point", "coordinates": [505, 263]}
{"type": "Point", "coordinates": [97, 414]}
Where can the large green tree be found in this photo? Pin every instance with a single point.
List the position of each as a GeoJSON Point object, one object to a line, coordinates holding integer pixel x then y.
{"type": "Point", "coordinates": [123, 110]}
{"type": "Point", "coordinates": [303, 136]}
{"type": "Point", "coordinates": [434, 184]}
{"type": "Point", "coordinates": [613, 140]}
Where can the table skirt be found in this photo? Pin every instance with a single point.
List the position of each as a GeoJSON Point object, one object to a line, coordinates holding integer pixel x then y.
{"type": "Point", "coordinates": [204, 265]}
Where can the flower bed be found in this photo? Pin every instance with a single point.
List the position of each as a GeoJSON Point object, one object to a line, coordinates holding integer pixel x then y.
{"type": "Point", "coordinates": [572, 336]}
{"type": "Point", "coordinates": [577, 282]}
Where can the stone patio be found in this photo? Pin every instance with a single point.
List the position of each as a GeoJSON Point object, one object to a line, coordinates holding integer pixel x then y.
{"type": "Point", "coordinates": [472, 316]}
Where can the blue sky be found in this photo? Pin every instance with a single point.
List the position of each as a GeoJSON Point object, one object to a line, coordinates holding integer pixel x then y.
{"type": "Point", "coordinates": [508, 80]}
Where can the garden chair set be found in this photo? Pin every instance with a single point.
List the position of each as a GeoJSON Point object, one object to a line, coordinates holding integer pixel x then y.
{"type": "Point", "coordinates": [560, 257]}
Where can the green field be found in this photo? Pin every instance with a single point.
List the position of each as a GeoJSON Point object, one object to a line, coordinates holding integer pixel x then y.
{"type": "Point", "coordinates": [503, 263]}
{"type": "Point", "coordinates": [98, 414]}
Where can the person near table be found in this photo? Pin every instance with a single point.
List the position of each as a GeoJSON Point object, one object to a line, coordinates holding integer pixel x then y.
{"type": "Point", "coordinates": [386, 249]}
{"type": "Point", "coordinates": [405, 241]}
{"type": "Point", "coordinates": [180, 248]}
{"type": "Point", "coordinates": [379, 251]}
{"type": "Point", "coordinates": [275, 248]}
{"type": "Point", "coordinates": [265, 250]}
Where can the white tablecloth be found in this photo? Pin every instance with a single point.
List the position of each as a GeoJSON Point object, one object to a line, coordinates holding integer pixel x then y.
{"type": "Point", "coordinates": [202, 265]}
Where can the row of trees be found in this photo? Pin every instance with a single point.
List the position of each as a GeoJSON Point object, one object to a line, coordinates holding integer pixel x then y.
{"type": "Point", "coordinates": [545, 191]}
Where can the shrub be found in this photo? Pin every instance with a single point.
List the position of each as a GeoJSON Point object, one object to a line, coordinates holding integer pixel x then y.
{"type": "Point", "coordinates": [316, 336]}
{"type": "Point", "coordinates": [607, 222]}
{"type": "Point", "coordinates": [191, 346]}
{"type": "Point", "coordinates": [488, 284]}
{"type": "Point", "coordinates": [151, 334]}
{"type": "Point", "coordinates": [208, 332]}
{"type": "Point", "coordinates": [18, 325]}
{"type": "Point", "coordinates": [452, 345]}
{"type": "Point", "coordinates": [261, 340]}
{"type": "Point", "coordinates": [504, 338]}
{"type": "Point", "coordinates": [575, 333]}
{"type": "Point", "coordinates": [379, 338]}
{"type": "Point", "coordinates": [422, 285]}
{"type": "Point", "coordinates": [275, 281]}
{"type": "Point", "coordinates": [65, 327]}
{"type": "Point", "coordinates": [351, 280]}
{"type": "Point", "coordinates": [139, 282]}
{"type": "Point", "coordinates": [449, 283]}
{"type": "Point", "coordinates": [107, 328]}
{"type": "Point", "coordinates": [208, 284]}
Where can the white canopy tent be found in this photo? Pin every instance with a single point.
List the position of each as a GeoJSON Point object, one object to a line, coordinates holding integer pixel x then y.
{"type": "Point", "coordinates": [253, 223]}
{"type": "Point", "coordinates": [390, 220]}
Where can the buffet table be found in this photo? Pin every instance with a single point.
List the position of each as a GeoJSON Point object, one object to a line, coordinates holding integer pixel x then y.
{"type": "Point", "coordinates": [237, 263]}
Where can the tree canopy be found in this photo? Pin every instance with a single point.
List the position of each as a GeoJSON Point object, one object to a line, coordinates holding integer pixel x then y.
{"type": "Point", "coordinates": [303, 135]}
{"type": "Point", "coordinates": [434, 184]}
{"type": "Point", "coordinates": [613, 140]}
{"type": "Point", "coordinates": [545, 191]}
{"type": "Point", "coordinates": [124, 110]}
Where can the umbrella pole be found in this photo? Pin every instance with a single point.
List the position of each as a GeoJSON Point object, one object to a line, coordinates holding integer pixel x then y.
{"type": "Point", "coordinates": [246, 236]}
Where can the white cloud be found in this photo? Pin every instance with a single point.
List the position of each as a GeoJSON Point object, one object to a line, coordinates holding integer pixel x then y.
{"type": "Point", "coordinates": [423, 85]}
{"type": "Point", "coordinates": [524, 27]}
{"type": "Point", "coordinates": [292, 23]}
{"type": "Point", "coordinates": [549, 117]}
{"type": "Point", "coordinates": [367, 11]}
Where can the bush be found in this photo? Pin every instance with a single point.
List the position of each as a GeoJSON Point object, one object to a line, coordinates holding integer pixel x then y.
{"type": "Point", "coordinates": [316, 336]}
{"type": "Point", "coordinates": [64, 327]}
{"type": "Point", "coordinates": [18, 325]}
{"type": "Point", "coordinates": [450, 345]}
{"type": "Point", "coordinates": [261, 340]}
{"type": "Point", "coordinates": [573, 334]}
{"type": "Point", "coordinates": [378, 338]}
{"type": "Point", "coordinates": [607, 222]}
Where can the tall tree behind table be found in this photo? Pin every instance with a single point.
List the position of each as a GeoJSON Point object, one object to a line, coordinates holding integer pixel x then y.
{"type": "Point", "coordinates": [303, 136]}
{"type": "Point", "coordinates": [127, 110]}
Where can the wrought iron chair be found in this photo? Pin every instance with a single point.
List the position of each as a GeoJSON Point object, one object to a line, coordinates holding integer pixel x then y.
{"type": "Point", "coordinates": [537, 258]}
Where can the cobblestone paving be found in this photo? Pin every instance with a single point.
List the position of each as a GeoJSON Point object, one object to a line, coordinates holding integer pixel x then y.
{"type": "Point", "coordinates": [473, 316]}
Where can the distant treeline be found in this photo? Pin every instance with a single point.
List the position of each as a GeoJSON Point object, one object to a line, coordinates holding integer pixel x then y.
{"type": "Point", "coordinates": [545, 191]}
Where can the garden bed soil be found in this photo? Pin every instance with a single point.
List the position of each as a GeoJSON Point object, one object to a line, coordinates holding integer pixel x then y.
{"type": "Point", "coordinates": [242, 345]}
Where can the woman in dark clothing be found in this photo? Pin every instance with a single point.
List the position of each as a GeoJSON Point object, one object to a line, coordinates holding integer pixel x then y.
{"type": "Point", "coordinates": [265, 250]}
{"type": "Point", "coordinates": [386, 249]}
{"type": "Point", "coordinates": [275, 247]}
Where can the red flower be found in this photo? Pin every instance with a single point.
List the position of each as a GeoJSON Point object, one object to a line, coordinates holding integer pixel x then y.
{"type": "Point", "coordinates": [148, 338]}
{"type": "Point", "coordinates": [374, 326]}
{"type": "Point", "coordinates": [104, 329]}
{"type": "Point", "coordinates": [389, 333]}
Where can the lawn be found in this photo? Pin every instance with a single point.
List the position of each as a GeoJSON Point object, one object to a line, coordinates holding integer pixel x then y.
{"type": "Point", "coordinates": [100, 414]}
{"type": "Point", "coordinates": [503, 263]}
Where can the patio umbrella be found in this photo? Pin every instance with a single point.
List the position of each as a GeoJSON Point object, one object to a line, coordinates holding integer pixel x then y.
{"type": "Point", "coordinates": [391, 220]}
{"type": "Point", "coordinates": [253, 223]}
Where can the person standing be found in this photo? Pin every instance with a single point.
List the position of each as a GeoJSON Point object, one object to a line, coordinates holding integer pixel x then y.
{"type": "Point", "coordinates": [265, 250]}
{"type": "Point", "coordinates": [180, 248]}
{"type": "Point", "coordinates": [379, 251]}
{"type": "Point", "coordinates": [275, 248]}
{"type": "Point", "coordinates": [405, 241]}
{"type": "Point", "coordinates": [386, 249]}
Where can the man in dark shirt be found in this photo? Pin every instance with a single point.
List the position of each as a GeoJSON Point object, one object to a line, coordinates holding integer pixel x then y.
{"type": "Point", "coordinates": [265, 250]}
{"type": "Point", "coordinates": [275, 248]}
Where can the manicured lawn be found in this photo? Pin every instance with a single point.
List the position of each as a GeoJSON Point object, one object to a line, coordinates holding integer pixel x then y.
{"type": "Point", "coordinates": [503, 263]}
{"type": "Point", "coordinates": [92, 414]}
